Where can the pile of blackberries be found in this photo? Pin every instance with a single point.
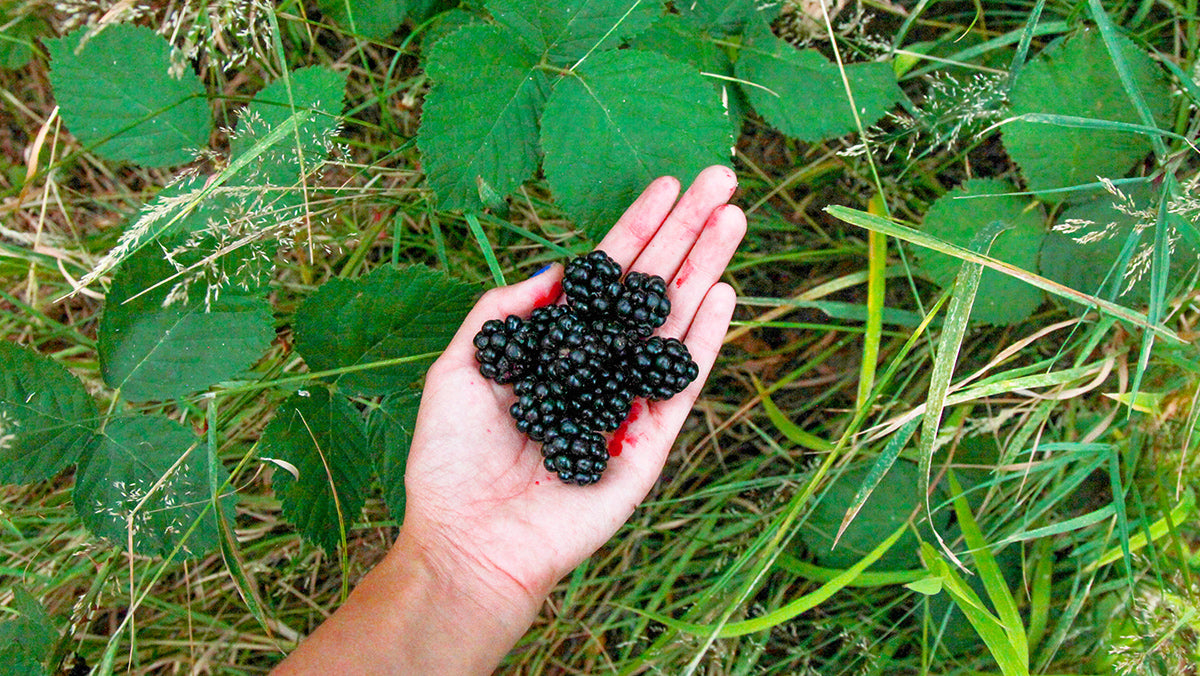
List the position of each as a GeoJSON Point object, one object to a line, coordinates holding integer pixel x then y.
{"type": "Point", "coordinates": [576, 368]}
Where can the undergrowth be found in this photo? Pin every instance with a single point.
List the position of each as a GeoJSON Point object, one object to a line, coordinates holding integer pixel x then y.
{"type": "Point", "coordinates": [964, 349]}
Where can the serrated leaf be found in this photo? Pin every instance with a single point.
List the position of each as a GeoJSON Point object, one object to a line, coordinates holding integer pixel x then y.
{"type": "Point", "coordinates": [26, 641]}
{"type": "Point", "coordinates": [801, 93]}
{"type": "Point", "coordinates": [726, 17]}
{"type": "Point", "coordinates": [391, 313]}
{"type": "Point", "coordinates": [323, 438]}
{"type": "Point", "coordinates": [152, 352]}
{"type": "Point", "coordinates": [958, 216]}
{"type": "Point", "coordinates": [480, 118]}
{"type": "Point", "coordinates": [676, 38]}
{"type": "Point", "coordinates": [117, 94]}
{"type": "Point", "coordinates": [564, 32]}
{"type": "Point", "coordinates": [47, 418]}
{"type": "Point", "coordinates": [1075, 77]}
{"type": "Point", "coordinates": [895, 497]}
{"type": "Point", "coordinates": [370, 19]}
{"type": "Point", "coordinates": [317, 90]}
{"type": "Point", "coordinates": [389, 435]}
{"type": "Point", "coordinates": [134, 454]}
{"type": "Point", "coordinates": [626, 118]}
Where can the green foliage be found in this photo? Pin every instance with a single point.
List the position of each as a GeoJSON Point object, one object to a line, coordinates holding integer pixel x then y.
{"type": "Point", "coordinates": [1074, 77]}
{"type": "Point", "coordinates": [117, 93]}
{"type": "Point", "coordinates": [324, 482]}
{"type": "Point", "coordinates": [147, 482]}
{"type": "Point", "coordinates": [153, 346]}
{"type": "Point", "coordinates": [480, 121]}
{"type": "Point", "coordinates": [562, 33]}
{"type": "Point", "coordinates": [17, 39]}
{"type": "Point", "coordinates": [638, 115]}
{"type": "Point", "coordinates": [802, 93]}
{"type": "Point", "coordinates": [894, 500]}
{"type": "Point", "coordinates": [389, 435]}
{"type": "Point", "coordinates": [958, 216]}
{"type": "Point", "coordinates": [47, 418]}
{"type": "Point", "coordinates": [26, 641]}
{"type": "Point", "coordinates": [390, 314]}
{"type": "Point", "coordinates": [370, 19]}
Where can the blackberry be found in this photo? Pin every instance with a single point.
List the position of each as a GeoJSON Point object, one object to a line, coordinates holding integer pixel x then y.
{"type": "Point", "coordinates": [643, 304]}
{"type": "Point", "coordinates": [663, 367]}
{"type": "Point", "coordinates": [502, 356]}
{"type": "Point", "coordinates": [606, 406]}
{"type": "Point", "coordinates": [577, 455]}
{"type": "Point", "coordinates": [592, 283]}
{"type": "Point", "coordinates": [539, 409]}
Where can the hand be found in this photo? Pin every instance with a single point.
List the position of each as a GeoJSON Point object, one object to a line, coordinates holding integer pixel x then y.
{"type": "Point", "coordinates": [488, 531]}
{"type": "Point", "coordinates": [478, 495]}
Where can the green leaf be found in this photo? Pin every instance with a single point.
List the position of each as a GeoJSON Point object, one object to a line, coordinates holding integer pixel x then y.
{"type": "Point", "coordinates": [390, 314]}
{"type": "Point", "coordinates": [27, 640]}
{"type": "Point", "coordinates": [958, 215]}
{"type": "Point", "coordinates": [389, 435]}
{"type": "Point", "coordinates": [321, 438]}
{"type": "Point", "coordinates": [894, 499]}
{"type": "Point", "coordinates": [725, 17]}
{"type": "Point", "coordinates": [155, 352]}
{"type": "Point", "coordinates": [116, 92]}
{"type": "Point", "coordinates": [18, 40]}
{"type": "Point", "coordinates": [47, 418]}
{"type": "Point", "coordinates": [802, 94]}
{"type": "Point", "coordinates": [929, 586]}
{"type": "Point", "coordinates": [155, 459]}
{"type": "Point", "coordinates": [317, 90]}
{"type": "Point", "coordinates": [370, 19]}
{"type": "Point", "coordinates": [565, 32]}
{"type": "Point", "coordinates": [479, 122]}
{"type": "Point", "coordinates": [626, 118]}
{"type": "Point", "coordinates": [1075, 77]}
{"type": "Point", "coordinates": [674, 37]}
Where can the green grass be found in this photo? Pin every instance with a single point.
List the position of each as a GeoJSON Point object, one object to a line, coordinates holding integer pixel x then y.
{"type": "Point", "coordinates": [1076, 516]}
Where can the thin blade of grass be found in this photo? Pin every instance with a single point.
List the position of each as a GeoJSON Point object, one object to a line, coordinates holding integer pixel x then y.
{"type": "Point", "coordinates": [485, 246]}
{"type": "Point", "coordinates": [892, 229]}
{"type": "Point", "coordinates": [989, 573]}
{"type": "Point", "coordinates": [788, 428]}
{"type": "Point", "coordinates": [877, 251]}
{"type": "Point", "coordinates": [881, 466]}
{"type": "Point", "coordinates": [791, 609]}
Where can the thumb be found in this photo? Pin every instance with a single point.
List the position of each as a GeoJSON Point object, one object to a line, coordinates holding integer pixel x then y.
{"type": "Point", "coordinates": [515, 299]}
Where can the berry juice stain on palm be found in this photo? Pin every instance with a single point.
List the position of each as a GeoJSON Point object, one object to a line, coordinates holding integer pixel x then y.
{"type": "Point", "coordinates": [549, 296]}
{"type": "Point", "coordinates": [621, 438]}
{"type": "Point", "coordinates": [685, 271]}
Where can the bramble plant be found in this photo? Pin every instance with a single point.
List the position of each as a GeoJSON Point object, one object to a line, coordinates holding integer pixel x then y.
{"type": "Point", "coordinates": [955, 418]}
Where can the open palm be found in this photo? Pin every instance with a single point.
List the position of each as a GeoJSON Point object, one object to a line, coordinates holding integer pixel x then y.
{"type": "Point", "coordinates": [476, 487]}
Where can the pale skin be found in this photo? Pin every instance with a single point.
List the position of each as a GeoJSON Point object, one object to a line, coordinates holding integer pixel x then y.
{"type": "Point", "coordinates": [488, 532]}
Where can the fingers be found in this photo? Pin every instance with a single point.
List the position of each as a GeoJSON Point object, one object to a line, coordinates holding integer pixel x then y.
{"type": "Point", "coordinates": [666, 251]}
{"type": "Point", "coordinates": [649, 437]}
{"type": "Point", "coordinates": [515, 299]}
{"type": "Point", "coordinates": [704, 265]}
{"type": "Point", "coordinates": [641, 220]}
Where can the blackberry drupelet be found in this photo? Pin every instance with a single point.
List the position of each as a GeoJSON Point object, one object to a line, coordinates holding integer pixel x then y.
{"type": "Point", "coordinates": [663, 368]}
{"type": "Point", "coordinates": [643, 304]}
{"type": "Point", "coordinates": [577, 455]}
{"type": "Point", "coordinates": [592, 283]}
{"type": "Point", "coordinates": [577, 368]}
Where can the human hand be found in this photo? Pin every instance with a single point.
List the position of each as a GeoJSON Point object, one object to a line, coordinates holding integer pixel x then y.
{"type": "Point", "coordinates": [479, 502]}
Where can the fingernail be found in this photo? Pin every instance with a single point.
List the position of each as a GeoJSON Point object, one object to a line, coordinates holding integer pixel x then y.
{"type": "Point", "coordinates": [545, 268]}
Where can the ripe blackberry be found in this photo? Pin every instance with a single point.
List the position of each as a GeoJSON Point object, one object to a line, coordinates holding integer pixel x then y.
{"type": "Point", "coordinates": [502, 356]}
{"type": "Point", "coordinates": [663, 367]}
{"type": "Point", "coordinates": [592, 283]}
{"type": "Point", "coordinates": [643, 304]}
{"type": "Point", "coordinates": [577, 455]}
{"type": "Point", "coordinates": [606, 406]}
{"type": "Point", "coordinates": [539, 408]}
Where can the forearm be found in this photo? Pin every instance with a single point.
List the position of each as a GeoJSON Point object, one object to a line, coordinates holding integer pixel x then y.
{"type": "Point", "coordinates": [410, 615]}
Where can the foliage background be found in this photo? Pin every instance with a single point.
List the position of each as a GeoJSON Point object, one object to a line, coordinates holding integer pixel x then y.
{"type": "Point", "coordinates": [1033, 421]}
